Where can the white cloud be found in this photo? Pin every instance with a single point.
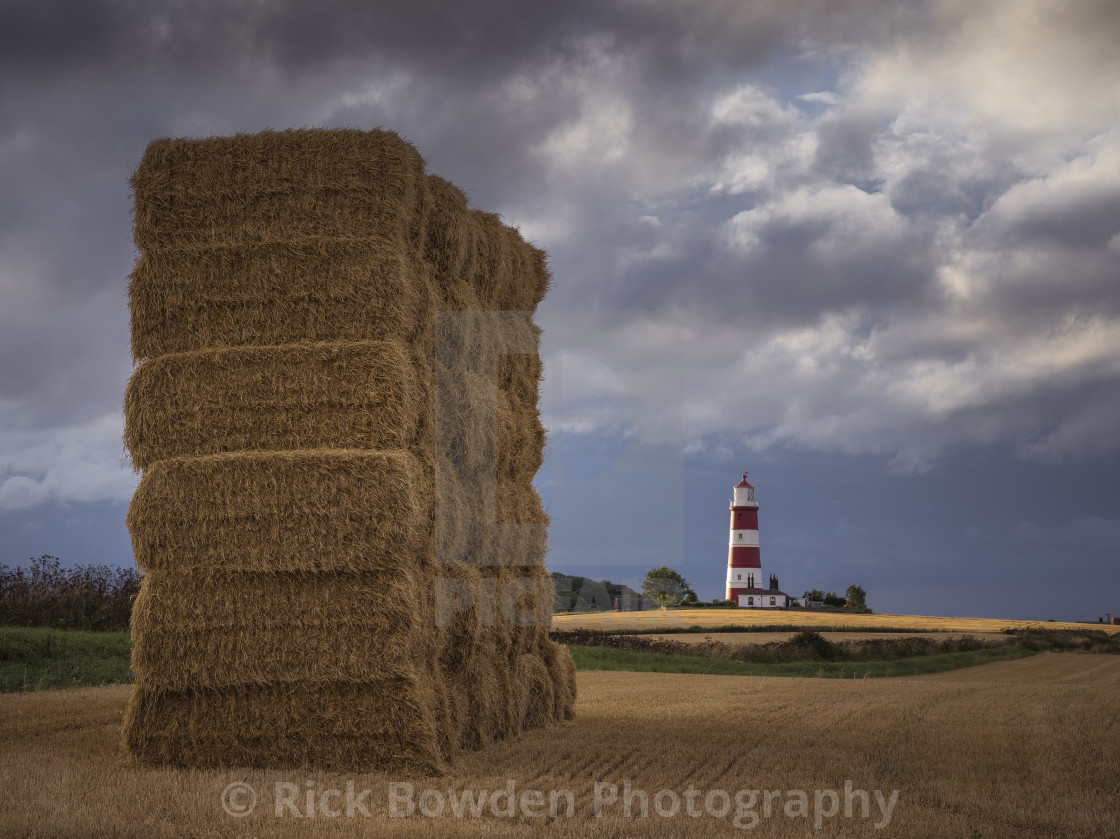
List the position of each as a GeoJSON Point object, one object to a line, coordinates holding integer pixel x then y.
{"type": "Point", "coordinates": [1069, 201]}
{"type": "Point", "coordinates": [83, 462]}
{"type": "Point", "coordinates": [993, 169]}
{"type": "Point", "coordinates": [841, 219]}
{"type": "Point", "coordinates": [823, 97]}
{"type": "Point", "coordinates": [752, 107]}
{"type": "Point", "coordinates": [1035, 74]}
{"type": "Point", "coordinates": [601, 130]}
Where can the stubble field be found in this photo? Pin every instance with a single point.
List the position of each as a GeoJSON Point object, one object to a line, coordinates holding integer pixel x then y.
{"type": "Point", "coordinates": [1027, 748]}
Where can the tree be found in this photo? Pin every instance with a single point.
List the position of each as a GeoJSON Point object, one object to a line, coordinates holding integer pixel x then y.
{"type": "Point", "coordinates": [857, 597]}
{"type": "Point", "coordinates": [816, 595]}
{"type": "Point", "coordinates": [666, 587]}
{"type": "Point", "coordinates": [831, 598]}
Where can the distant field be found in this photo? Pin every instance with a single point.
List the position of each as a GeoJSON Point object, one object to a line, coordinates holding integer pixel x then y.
{"type": "Point", "coordinates": [655, 619]}
{"type": "Point", "coordinates": [771, 637]}
{"type": "Point", "coordinates": [1026, 749]}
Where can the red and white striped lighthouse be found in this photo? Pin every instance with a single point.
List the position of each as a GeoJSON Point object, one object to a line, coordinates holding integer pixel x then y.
{"type": "Point", "coordinates": [744, 563]}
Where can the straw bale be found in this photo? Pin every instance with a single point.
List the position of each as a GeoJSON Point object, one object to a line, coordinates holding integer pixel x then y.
{"type": "Point", "coordinates": [278, 185]}
{"type": "Point", "coordinates": [487, 699]}
{"type": "Point", "coordinates": [450, 516]}
{"type": "Point", "coordinates": [491, 344]}
{"type": "Point", "coordinates": [562, 669]}
{"type": "Point", "coordinates": [461, 339]}
{"type": "Point", "coordinates": [521, 534]}
{"type": "Point", "coordinates": [210, 630]}
{"type": "Point", "coordinates": [341, 726]}
{"type": "Point", "coordinates": [465, 420]}
{"type": "Point", "coordinates": [490, 619]}
{"type": "Point", "coordinates": [538, 696]}
{"type": "Point", "coordinates": [505, 271]}
{"type": "Point", "coordinates": [519, 503]}
{"type": "Point", "coordinates": [474, 656]}
{"type": "Point", "coordinates": [481, 429]}
{"type": "Point", "coordinates": [545, 596]}
{"type": "Point", "coordinates": [520, 374]}
{"type": "Point", "coordinates": [278, 292]}
{"type": "Point", "coordinates": [488, 265]}
{"type": "Point", "coordinates": [533, 278]}
{"type": "Point", "coordinates": [445, 210]}
{"type": "Point", "coordinates": [325, 452]}
{"type": "Point", "coordinates": [318, 510]}
{"type": "Point", "coordinates": [478, 659]}
{"type": "Point", "coordinates": [357, 395]}
{"type": "Point", "coordinates": [459, 612]}
{"type": "Point", "coordinates": [217, 600]}
{"type": "Point", "coordinates": [520, 438]}
{"type": "Point", "coordinates": [524, 605]}
{"type": "Point", "coordinates": [510, 526]}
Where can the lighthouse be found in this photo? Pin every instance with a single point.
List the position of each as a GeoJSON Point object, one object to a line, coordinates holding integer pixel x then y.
{"type": "Point", "coordinates": [745, 586]}
{"type": "Point", "coordinates": [744, 562]}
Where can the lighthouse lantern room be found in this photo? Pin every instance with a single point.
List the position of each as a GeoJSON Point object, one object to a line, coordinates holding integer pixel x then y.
{"type": "Point", "coordinates": [745, 586]}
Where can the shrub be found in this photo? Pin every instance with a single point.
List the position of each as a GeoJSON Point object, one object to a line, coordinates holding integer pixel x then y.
{"type": "Point", "coordinates": [90, 597]}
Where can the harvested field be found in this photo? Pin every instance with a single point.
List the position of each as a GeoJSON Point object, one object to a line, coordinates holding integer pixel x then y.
{"type": "Point", "coordinates": [655, 619]}
{"type": "Point", "coordinates": [1024, 748]}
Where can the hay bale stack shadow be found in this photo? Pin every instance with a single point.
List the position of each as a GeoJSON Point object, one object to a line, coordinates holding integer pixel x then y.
{"type": "Point", "coordinates": [334, 411]}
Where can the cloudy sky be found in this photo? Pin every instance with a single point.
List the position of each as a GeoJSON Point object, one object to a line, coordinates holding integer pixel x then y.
{"type": "Point", "coordinates": [868, 251]}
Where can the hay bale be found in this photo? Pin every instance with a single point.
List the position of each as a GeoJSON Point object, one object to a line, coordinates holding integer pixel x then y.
{"type": "Point", "coordinates": [562, 670]}
{"type": "Point", "coordinates": [465, 419]}
{"type": "Point", "coordinates": [336, 726]}
{"type": "Point", "coordinates": [537, 705]}
{"type": "Point", "coordinates": [278, 511]}
{"type": "Point", "coordinates": [490, 344]}
{"type": "Point", "coordinates": [505, 272]}
{"type": "Point", "coordinates": [519, 376]}
{"type": "Point", "coordinates": [510, 526]}
{"type": "Point", "coordinates": [335, 415]}
{"type": "Point", "coordinates": [278, 186]}
{"type": "Point", "coordinates": [210, 631]}
{"type": "Point", "coordinates": [480, 428]}
{"type": "Point", "coordinates": [450, 516]}
{"type": "Point", "coordinates": [445, 208]}
{"type": "Point", "coordinates": [353, 395]}
{"type": "Point", "coordinates": [198, 297]}
{"type": "Point", "coordinates": [520, 437]}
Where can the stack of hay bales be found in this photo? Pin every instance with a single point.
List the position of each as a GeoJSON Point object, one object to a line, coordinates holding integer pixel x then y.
{"type": "Point", "coordinates": [335, 415]}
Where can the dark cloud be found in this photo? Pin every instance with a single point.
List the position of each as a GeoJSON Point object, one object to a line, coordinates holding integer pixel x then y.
{"type": "Point", "coordinates": [52, 39]}
{"type": "Point", "coordinates": [846, 153]}
{"type": "Point", "coordinates": [830, 215]}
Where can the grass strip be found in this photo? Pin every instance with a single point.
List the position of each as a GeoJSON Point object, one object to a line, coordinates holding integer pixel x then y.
{"type": "Point", "coordinates": [49, 659]}
{"type": "Point", "coordinates": [604, 658]}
